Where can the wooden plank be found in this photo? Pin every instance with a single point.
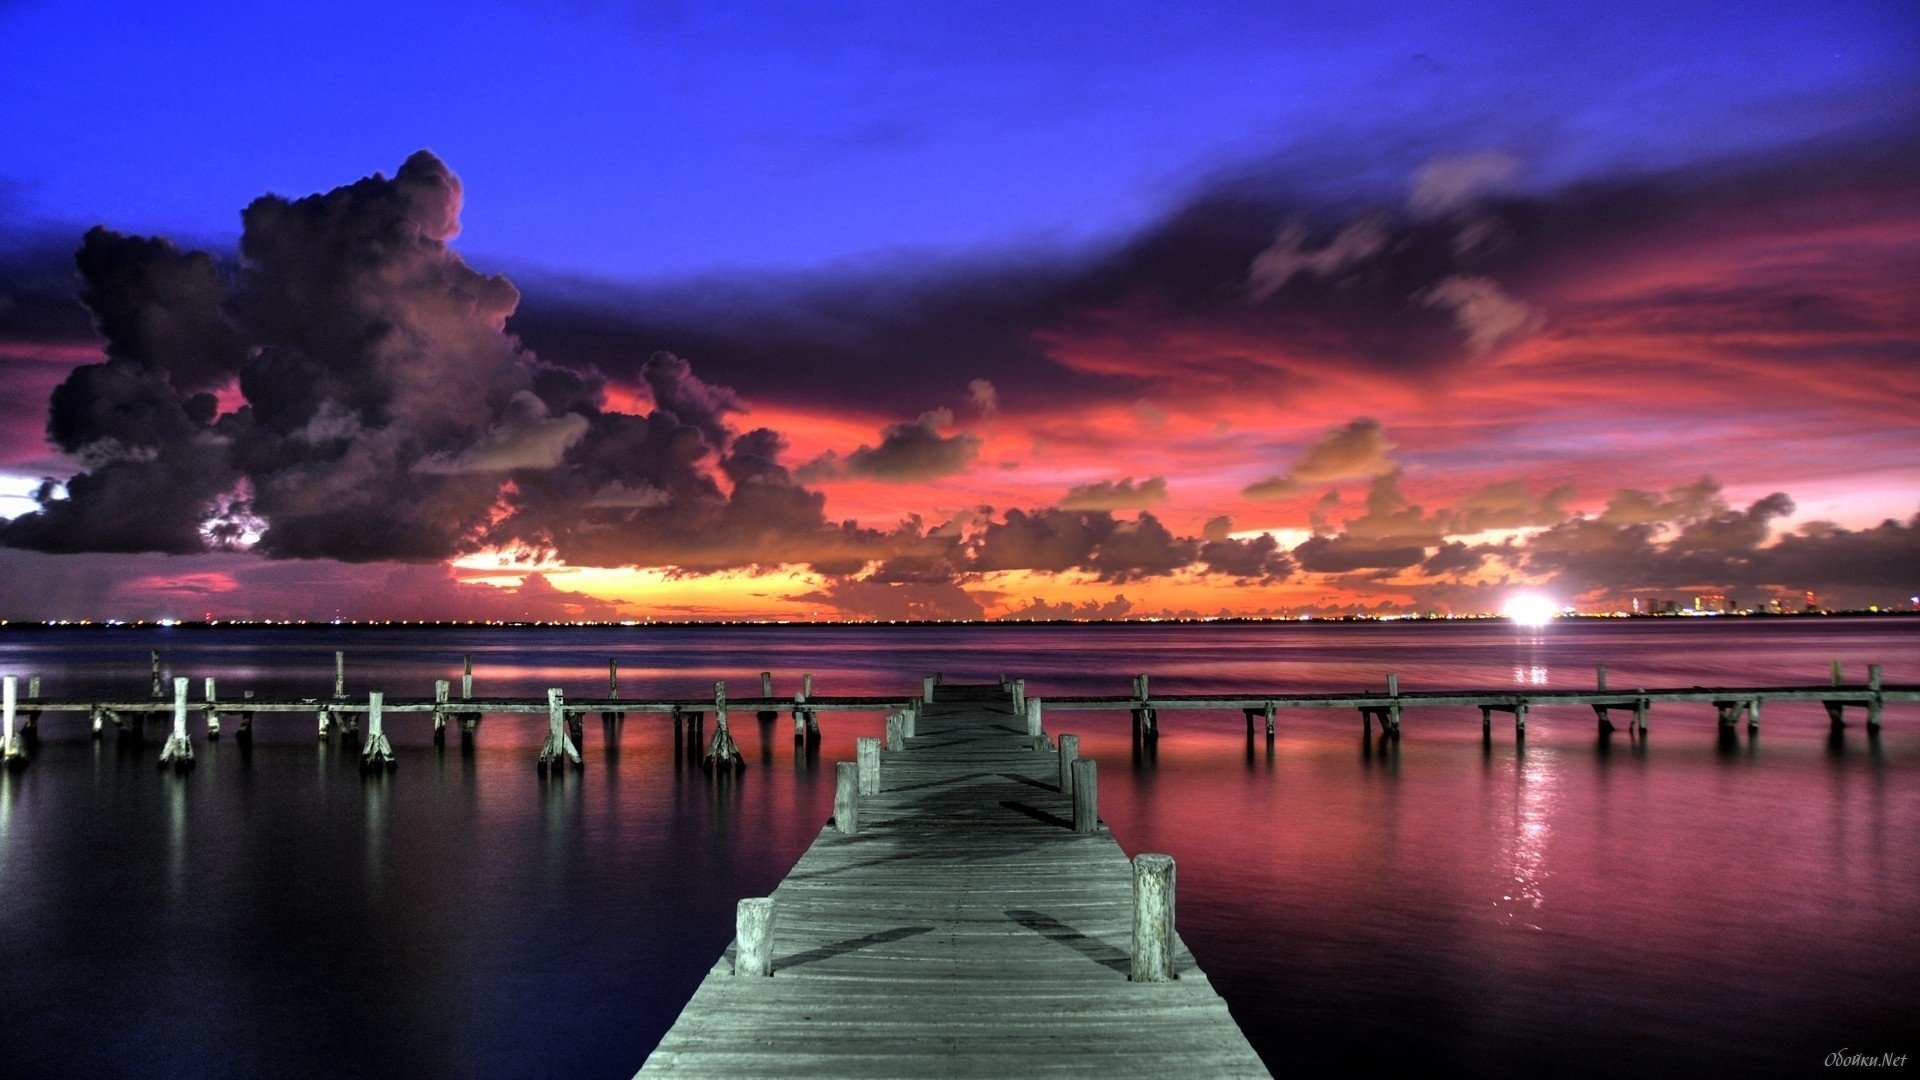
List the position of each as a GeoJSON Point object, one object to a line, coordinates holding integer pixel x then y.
{"type": "Point", "coordinates": [964, 930]}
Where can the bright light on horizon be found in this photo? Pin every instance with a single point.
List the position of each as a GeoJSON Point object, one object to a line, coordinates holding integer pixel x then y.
{"type": "Point", "coordinates": [1530, 609]}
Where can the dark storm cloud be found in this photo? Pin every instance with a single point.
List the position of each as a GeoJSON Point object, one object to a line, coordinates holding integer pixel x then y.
{"type": "Point", "coordinates": [1120, 494]}
{"type": "Point", "coordinates": [909, 452]}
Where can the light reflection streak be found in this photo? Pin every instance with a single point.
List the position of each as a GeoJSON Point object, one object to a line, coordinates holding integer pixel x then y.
{"type": "Point", "coordinates": [1535, 796]}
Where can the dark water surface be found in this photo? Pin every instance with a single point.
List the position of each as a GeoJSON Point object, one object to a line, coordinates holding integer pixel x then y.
{"type": "Point", "coordinates": [1571, 906]}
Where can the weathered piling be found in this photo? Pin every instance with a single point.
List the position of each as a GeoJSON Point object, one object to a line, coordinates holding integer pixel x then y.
{"type": "Point", "coordinates": [178, 751]}
{"type": "Point", "coordinates": [559, 748]}
{"type": "Point", "coordinates": [766, 691]}
{"type": "Point", "coordinates": [1152, 918]}
{"type": "Point", "coordinates": [339, 675]}
{"type": "Point", "coordinates": [1144, 720]}
{"type": "Point", "coordinates": [12, 748]}
{"type": "Point", "coordinates": [721, 752]}
{"type": "Point", "coordinates": [1873, 704]}
{"type": "Point", "coordinates": [866, 750]}
{"type": "Point", "coordinates": [912, 715]}
{"type": "Point", "coordinates": [613, 692]}
{"type": "Point", "coordinates": [378, 754]}
{"type": "Point", "coordinates": [896, 731]}
{"type": "Point", "coordinates": [213, 711]}
{"type": "Point", "coordinates": [926, 688]}
{"type": "Point", "coordinates": [753, 937]}
{"type": "Point", "coordinates": [846, 798]}
{"type": "Point", "coordinates": [1069, 753]}
{"type": "Point", "coordinates": [466, 677]}
{"type": "Point", "coordinates": [1086, 796]}
{"type": "Point", "coordinates": [244, 732]}
{"type": "Point", "coordinates": [153, 655]}
{"type": "Point", "coordinates": [1035, 730]}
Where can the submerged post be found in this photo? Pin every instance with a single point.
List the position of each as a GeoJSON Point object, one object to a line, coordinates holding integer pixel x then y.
{"type": "Point", "coordinates": [213, 714]}
{"type": "Point", "coordinates": [866, 749]}
{"type": "Point", "coordinates": [1086, 796]}
{"type": "Point", "coordinates": [1152, 918]}
{"type": "Point", "coordinates": [559, 748]}
{"type": "Point", "coordinates": [178, 751]}
{"type": "Point", "coordinates": [753, 936]}
{"type": "Point", "coordinates": [11, 747]}
{"type": "Point", "coordinates": [379, 752]}
{"type": "Point", "coordinates": [1069, 753]}
{"type": "Point", "coordinates": [846, 798]}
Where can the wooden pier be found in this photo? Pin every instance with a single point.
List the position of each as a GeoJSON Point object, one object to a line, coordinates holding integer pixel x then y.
{"type": "Point", "coordinates": [961, 916]}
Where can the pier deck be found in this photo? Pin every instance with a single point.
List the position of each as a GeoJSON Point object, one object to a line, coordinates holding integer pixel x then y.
{"type": "Point", "coordinates": [964, 930]}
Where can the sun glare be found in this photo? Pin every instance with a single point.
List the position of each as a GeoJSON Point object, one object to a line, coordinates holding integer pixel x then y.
{"type": "Point", "coordinates": [1528, 609]}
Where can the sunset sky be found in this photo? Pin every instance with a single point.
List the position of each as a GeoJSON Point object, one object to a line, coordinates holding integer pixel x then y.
{"type": "Point", "coordinates": [940, 310]}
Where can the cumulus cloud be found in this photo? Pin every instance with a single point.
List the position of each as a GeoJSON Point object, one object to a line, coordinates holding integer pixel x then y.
{"type": "Point", "coordinates": [909, 452]}
{"type": "Point", "coordinates": [1355, 450]}
{"type": "Point", "coordinates": [1116, 495]}
{"type": "Point", "coordinates": [1068, 611]}
{"type": "Point", "coordinates": [1487, 313]}
{"type": "Point", "coordinates": [525, 438]}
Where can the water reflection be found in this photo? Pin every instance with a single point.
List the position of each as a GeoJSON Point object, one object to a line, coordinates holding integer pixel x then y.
{"type": "Point", "coordinates": [1535, 788]}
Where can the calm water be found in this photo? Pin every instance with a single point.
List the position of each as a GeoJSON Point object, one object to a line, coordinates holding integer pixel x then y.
{"type": "Point", "coordinates": [1572, 906]}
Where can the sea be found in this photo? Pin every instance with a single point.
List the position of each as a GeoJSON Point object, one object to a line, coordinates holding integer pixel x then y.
{"type": "Point", "coordinates": [1567, 904]}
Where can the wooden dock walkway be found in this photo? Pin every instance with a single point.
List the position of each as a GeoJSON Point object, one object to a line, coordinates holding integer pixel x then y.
{"type": "Point", "coordinates": [964, 929]}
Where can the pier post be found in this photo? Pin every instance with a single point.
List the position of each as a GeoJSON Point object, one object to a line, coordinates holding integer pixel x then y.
{"type": "Point", "coordinates": [846, 798]}
{"type": "Point", "coordinates": [1833, 673]}
{"type": "Point", "coordinates": [1086, 795]}
{"type": "Point", "coordinates": [1144, 721]}
{"type": "Point", "coordinates": [99, 717]}
{"type": "Point", "coordinates": [1873, 703]}
{"type": "Point", "coordinates": [1034, 727]}
{"type": "Point", "coordinates": [1753, 717]}
{"type": "Point", "coordinates": [11, 748]}
{"type": "Point", "coordinates": [213, 713]}
{"type": "Point", "coordinates": [1069, 753]}
{"type": "Point", "coordinates": [30, 716]}
{"type": "Point", "coordinates": [1269, 710]}
{"type": "Point", "coordinates": [325, 714]}
{"type": "Point", "coordinates": [913, 717]}
{"type": "Point", "coordinates": [154, 656]}
{"type": "Point", "coordinates": [897, 731]}
{"type": "Point", "coordinates": [722, 752]}
{"type": "Point", "coordinates": [1520, 720]}
{"type": "Point", "coordinates": [1152, 918]}
{"type": "Point", "coordinates": [466, 678]}
{"type": "Point", "coordinates": [1600, 677]}
{"type": "Point", "coordinates": [753, 937]}
{"type": "Point", "coordinates": [866, 749]}
{"type": "Point", "coordinates": [178, 751]}
{"type": "Point", "coordinates": [378, 753]}
{"type": "Point", "coordinates": [799, 717]}
{"type": "Point", "coordinates": [806, 684]}
{"type": "Point", "coordinates": [559, 747]}
{"type": "Point", "coordinates": [339, 675]}
{"type": "Point", "coordinates": [441, 688]}
{"type": "Point", "coordinates": [1019, 697]}
{"type": "Point", "coordinates": [1486, 721]}
{"type": "Point", "coordinates": [1640, 706]}
{"type": "Point", "coordinates": [926, 688]}
{"type": "Point", "coordinates": [244, 732]}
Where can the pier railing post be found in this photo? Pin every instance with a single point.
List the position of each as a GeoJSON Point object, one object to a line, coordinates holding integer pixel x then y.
{"type": "Point", "coordinates": [213, 713]}
{"type": "Point", "coordinates": [753, 937]}
{"type": "Point", "coordinates": [1086, 796]}
{"type": "Point", "coordinates": [926, 688]}
{"type": "Point", "coordinates": [1600, 677]}
{"type": "Point", "coordinates": [897, 731]}
{"type": "Point", "coordinates": [1833, 672]}
{"type": "Point", "coordinates": [178, 751]}
{"type": "Point", "coordinates": [913, 717]}
{"type": "Point", "coordinates": [11, 747]}
{"type": "Point", "coordinates": [379, 752]}
{"type": "Point", "coordinates": [441, 688]}
{"type": "Point", "coordinates": [466, 677]}
{"type": "Point", "coordinates": [1019, 697]}
{"type": "Point", "coordinates": [1034, 723]}
{"type": "Point", "coordinates": [154, 656]}
{"type": "Point", "coordinates": [1873, 703]}
{"type": "Point", "coordinates": [866, 750]}
{"type": "Point", "coordinates": [1153, 918]}
{"type": "Point", "coordinates": [846, 798]}
{"type": "Point", "coordinates": [1069, 753]}
{"type": "Point", "coordinates": [339, 675]}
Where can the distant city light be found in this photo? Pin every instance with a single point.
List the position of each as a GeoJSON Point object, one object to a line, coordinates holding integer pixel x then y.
{"type": "Point", "coordinates": [1529, 609]}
